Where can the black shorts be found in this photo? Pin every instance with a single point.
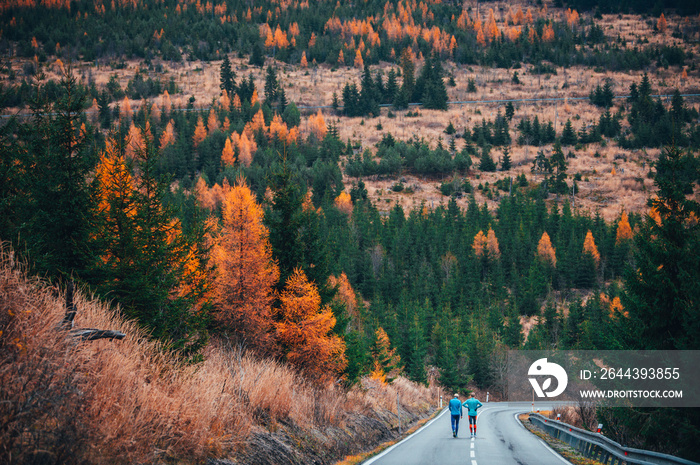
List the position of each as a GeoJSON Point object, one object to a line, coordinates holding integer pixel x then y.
{"type": "Point", "coordinates": [472, 419]}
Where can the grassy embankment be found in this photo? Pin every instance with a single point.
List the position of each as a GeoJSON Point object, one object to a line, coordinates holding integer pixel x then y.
{"type": "Point", "coordinates": [129, 402]}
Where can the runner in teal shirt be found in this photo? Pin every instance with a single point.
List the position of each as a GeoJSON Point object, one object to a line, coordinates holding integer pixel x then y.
{"type": "Point", "coordinates": [455, 414]}
{"type": "Point", "coordinates": [472, 405]}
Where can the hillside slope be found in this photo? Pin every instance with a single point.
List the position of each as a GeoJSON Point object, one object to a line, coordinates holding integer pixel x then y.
{"type": "Point", "coordinates": [127, 401]}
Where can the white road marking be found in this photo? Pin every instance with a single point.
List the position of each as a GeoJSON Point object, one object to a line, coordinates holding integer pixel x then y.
{"type": "Point", "coordinates": [472, 444]}
{"type": "Point", "coordinates": [473, 462]}
{"type": "Point", "coordinates": [472, 455]}
{"type": "Point", "coordinates": [386, 451]}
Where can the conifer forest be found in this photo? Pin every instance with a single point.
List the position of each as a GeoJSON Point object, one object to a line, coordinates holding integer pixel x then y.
{"type": "Point", "coordinates": [394, 192]}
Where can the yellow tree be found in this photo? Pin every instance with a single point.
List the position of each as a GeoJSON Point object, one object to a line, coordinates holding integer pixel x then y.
{"type": "Point", "coordinates": [341, 59]}
{"type": "Point", "coordinates": [344, 203]}
{"type": "Point", "coordinates": [304, 330]}
{"type": "Point", "coordinates": [492, 245]}
{"type": "Point", "coordinates": [303, 63]}
{"type": "Point", "coordinates": [212, 122]}
{"type": "Point", "coordinates": [661, 24]}
{"type": "Point", "coordinates": [245, 270]}
{"type": "Point", "coordinates": [228, 156]}
{"type": "Point", "coordinates": [359, 62]}
{"type": "Point", "coordinates": [480, 244]}
{"type": "Point", "coordinates": [548, 33]}
{"type": "Point", "coordinates": [387, 363]}
{"type": "Point", "coordinates": [168, 136]}
{"type": "Point", "coordinates": [165, 101]}
{"type": "Point", "coordinates": [589, 247]}
{"type": "Point", "coordinates": [624, 230]}
{"type": "Point", "coordinates": [545, 250]}
{"type": "Point", "coordinates": [200, 132]}
{"type": "Point", "coordinates": [126, 108]}
{"type": "Point", "coordinates": [134, 142]}
{"type": "Point", "coordinates": [317, 124]}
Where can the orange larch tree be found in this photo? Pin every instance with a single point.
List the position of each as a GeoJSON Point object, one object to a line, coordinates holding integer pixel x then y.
{"type": "Point", "coordinates": [548, 33]}
{"type": "Point", "coordinates": [317, 125]}
{"type": "Point", "coordinates": [624, 230]}
{"type": "Point", "coordinates": [344, 203]}
{"type": "Point", "coordinates": [168, 136]}
{"type": "Point", "coordinates": [387, 363]}
{"type": "Point", "coordinates": [165, 101]}
{"type": "Point", "coordinates": [304, 330]}
{"type": "Point", "coordinates": [303, 63]}
{"type": "Point", "coordinates": [200, 132]}
{"type": "Point", "coordinates": [359, 62]}
{"type": "Point", "coordinates": [479, 244]}
{"type": "Point", "coordinates": [661, 24]}
{"type": "Point", "coordinates": [245, 270]}
{"type": "Point", "coordinates": [126, 108]}
{"type": "Point", "coordinates": [492, 245]}
{"type": "Point", "coordinates": [545, 250]}
{"type": "Point", "coordinates": [212, 122]}
{"type": "Point", "coordinates": [590, 247]}
{"type": "Point", "coordinates": [228, 156]}
{"type": "Point", "coordinates": [134, 142]}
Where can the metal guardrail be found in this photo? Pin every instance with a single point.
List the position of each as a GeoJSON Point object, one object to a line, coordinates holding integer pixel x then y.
{"type": "Point", "coordinates": [598, 447]}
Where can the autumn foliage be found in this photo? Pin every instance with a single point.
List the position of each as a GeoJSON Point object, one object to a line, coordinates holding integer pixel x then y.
{"type": "Point", "coordinates": [245, 271]}
{"type": "Point", "coordinates": [589, 247]}
{"type": "Point", "coordinates": [304, 330]}
{"type": "Point", "coordinates": [624, 230]}
{"type": "Point", "coordinates": [317, 125]}
{"type": "Point", "coordinates": [486, 245]}
{"type": "Point", "coordinates": [545, 250]}
{"type": "Point", "coordinates": [661, 24]}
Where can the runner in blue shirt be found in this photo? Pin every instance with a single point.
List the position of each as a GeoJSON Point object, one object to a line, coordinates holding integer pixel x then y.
{"type": "Point", "coordinates": [472, 405]}
{"type": "Point", "coordinates": [455, 414]}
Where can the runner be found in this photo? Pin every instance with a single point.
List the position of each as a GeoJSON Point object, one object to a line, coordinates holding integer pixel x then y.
{"type": "Point", "coordinates": [472, 405]}
{"type": "Point", "coordinates": [455, 414]}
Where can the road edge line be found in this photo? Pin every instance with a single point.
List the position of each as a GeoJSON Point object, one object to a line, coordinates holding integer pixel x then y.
{"type": "Point", "coordinates": [389, 449]}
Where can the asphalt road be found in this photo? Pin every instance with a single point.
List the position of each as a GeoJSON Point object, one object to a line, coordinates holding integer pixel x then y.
{"type": "Point", "coordinates": [501, 440]}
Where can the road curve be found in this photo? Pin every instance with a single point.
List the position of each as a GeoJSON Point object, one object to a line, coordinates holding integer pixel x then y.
{"type": "Point", "coordinates": [501, 440]}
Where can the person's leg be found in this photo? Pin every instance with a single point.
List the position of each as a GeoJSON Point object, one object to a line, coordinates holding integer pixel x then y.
{"type": "Point", "coordinates": [456, 425]}
{"type": "Point", "coordinates": [453, 420]}
{"type": "Point", "coordinates": [472, 420]}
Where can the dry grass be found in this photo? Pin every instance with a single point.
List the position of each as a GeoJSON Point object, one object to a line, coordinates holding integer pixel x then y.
{"type": "Point", "coordinates": [315, 86]}
{"type": "Point", "coordinates": [128, 401]}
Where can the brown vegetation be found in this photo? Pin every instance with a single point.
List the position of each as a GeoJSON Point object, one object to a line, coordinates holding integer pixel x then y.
{"type": "Point", "coordinates": [128, 401]}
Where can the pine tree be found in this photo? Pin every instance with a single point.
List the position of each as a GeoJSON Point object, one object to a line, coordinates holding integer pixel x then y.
{"type": "Point", "coordinates": [558, 162]}
{"type": "Point", "coordinates": [434, 94]}
{"type": "Point", "coordinates": [510, 111]}
{"type": "Point", "coordinates": [369, 104]}
{"type": "Point", "coordinates": [227, 77]}
{"type": "Point", "coordinates": [505, 161]}
{"type": "Point", "coordinates": [57, 215]}
{"type": "Point", "coordinates": [144, 260]}
{"type": "Point", "coordinates": [568, 136]}
{"type": "Point", "coordinates": [661, 287]}
{"type": "Point", "coordinates": [392, 87]}
{"type": "Point", "coordinates": [272, 86]}
{"type": "Point", "coordinates": [486, 163]}
{"type": "Point", "coordinates": [407, 71]}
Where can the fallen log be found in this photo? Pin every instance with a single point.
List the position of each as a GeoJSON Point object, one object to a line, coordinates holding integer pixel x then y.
{"type": "Point", "coordinates": [84, 334]}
